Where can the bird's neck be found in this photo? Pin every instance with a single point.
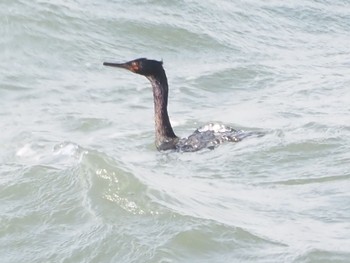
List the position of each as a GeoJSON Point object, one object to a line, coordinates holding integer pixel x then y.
{"type": "Point", "coordinates": [165, 136]}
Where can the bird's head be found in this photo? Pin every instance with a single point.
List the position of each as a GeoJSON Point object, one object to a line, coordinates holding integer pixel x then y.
{"type": "Point", "coordinates": [142, 66]}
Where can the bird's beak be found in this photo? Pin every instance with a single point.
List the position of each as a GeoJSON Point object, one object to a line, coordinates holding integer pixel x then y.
{"type": "Point", "coordinates": [117, 65]}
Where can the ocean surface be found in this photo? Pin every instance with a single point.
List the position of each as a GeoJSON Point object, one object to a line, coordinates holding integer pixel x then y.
{"type": "Point", "coordinates": [81, 179]}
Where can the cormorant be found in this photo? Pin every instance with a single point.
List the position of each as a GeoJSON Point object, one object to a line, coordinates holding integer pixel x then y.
{"type": "Point", "coordinates": [208, 136]}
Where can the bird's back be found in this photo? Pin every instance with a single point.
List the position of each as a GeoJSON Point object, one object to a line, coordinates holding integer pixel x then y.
{"type": "Point", "coordinates": [209, 136]}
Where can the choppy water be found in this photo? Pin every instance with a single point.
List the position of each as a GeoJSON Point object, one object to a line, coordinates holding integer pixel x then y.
{"type": "Point", "coordinates": [80, 178]}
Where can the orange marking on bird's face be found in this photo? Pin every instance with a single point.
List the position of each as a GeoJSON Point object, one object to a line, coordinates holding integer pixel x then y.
{"type": "Point", "coordinates": [134, 67]}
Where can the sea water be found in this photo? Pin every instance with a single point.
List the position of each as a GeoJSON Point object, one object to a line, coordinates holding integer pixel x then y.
{"type": "Point", "coordinates": [81, 179]}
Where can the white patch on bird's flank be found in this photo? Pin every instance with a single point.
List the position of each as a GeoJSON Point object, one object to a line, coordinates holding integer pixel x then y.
{"type": "Point", "coordinates": [214, 127]}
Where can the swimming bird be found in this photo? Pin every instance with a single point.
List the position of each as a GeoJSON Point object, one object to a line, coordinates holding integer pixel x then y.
{"type": "Point", "coordinates": [207, 136]}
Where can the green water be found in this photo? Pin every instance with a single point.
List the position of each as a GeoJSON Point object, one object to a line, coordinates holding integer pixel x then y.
{"type": "Point", "coordinates": [81, 179]}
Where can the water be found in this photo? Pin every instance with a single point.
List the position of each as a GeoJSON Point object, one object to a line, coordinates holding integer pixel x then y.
{"type": "Point", "coordinates": [80, 178]}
